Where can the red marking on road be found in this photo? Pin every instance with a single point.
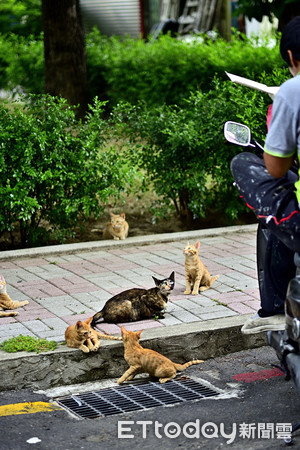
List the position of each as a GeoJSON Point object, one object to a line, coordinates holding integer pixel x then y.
{"type": "Point", "coordinates": [261, 375]}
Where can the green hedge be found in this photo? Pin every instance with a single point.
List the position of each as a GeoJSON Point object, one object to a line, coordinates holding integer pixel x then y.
{"type": "Point", "coordinates": [183, 151]}
{"type": "Point", "coordinates": [54, 171]}
{"type": "Point", "coordinates": [169, 100]}
{"type": "Point", "coordinates": [161, 71]}
{"type": "Point", "coordinates": [167, 70]}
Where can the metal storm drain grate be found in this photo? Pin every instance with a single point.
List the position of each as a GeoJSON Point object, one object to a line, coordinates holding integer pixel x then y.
{"type": "Point", "coordinates": [135, 397]}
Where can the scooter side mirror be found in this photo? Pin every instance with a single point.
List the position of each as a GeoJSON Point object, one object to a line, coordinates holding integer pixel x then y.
{"type": "Point", "coordinates": [236, 133]}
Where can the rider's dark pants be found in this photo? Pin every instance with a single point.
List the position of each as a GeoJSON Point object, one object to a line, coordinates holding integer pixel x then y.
{"type": "Point", "coordinates": [275, 204]}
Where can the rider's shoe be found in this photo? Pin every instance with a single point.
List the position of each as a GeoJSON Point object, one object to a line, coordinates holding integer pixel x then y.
{"type": "Point", "coordinates": [257, 324]}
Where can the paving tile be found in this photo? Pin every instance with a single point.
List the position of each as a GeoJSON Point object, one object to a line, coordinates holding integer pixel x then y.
{"type": "Point", "coordinates": [141, 325]}
{"type": "Point", "coordinates": [109, 328]}
{"type": "Point", "coordinates": [31, 262]}
{"type": "Point", "coordinates": [73, 319]}
{"type": "Point", "coordinates": [169, 320]}
{"type": "Point", "coordinates": [39, 314]}
{"type": "Point", "coordinates": [13, 330]}
{"type": "Point", "coordinates": [217, 314]}
{"type": "Point", "coordinates": [241, 308]}
{"type": "Point", "coordinates": [39, 289]}
{"type": "Point", "coordinates": [7, 265]}
{"type": "Point", "coordinates": [56, 324]}
{"type": "Point", "coordinates": [36, 326]}
{"type": "Point", "coordinates": [19, 275]}
{"type": "Point", "coordinates": [16, 294]}
{"type": "Point", "coordinates": [64, 306]}
{"type": "Point", "coordinates": [185, 316]}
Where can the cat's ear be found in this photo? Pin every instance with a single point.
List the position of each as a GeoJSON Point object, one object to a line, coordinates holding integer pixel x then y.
{"type": "Point", "coordinates": [172, 276]}
{"type": "Point", "coordinates": [156, 281]}
{"type": "Point", "coordinates": [88, 321]}
{"type": "Point", "coordinates": [123, 331]}
{"type": "Point", "coordinates": [138, 333]}
{"type": "Point", "coordinates": [79, 324]}
{"type": "Point", "coordinates": [122, 215]}
{"type": "Point", "coordinates": [197, 245]}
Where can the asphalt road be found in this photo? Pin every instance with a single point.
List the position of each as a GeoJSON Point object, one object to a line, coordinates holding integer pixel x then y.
{"type": "Point", "coordinates": [256, 408]}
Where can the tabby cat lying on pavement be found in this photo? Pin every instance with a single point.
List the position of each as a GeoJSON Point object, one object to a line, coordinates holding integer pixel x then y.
{"type": "Point", "coordinates": [137, 304]}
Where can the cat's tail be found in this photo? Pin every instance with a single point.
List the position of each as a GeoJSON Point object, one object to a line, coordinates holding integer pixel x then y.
{"type": "Point", "coordinates": [96, 318]}
{"type": "Point", "coordinates": [181, 367]}
{"type": "Point", "coordinates": [108, 337]}
{"type": "Point", "coordinates": [215, 278]}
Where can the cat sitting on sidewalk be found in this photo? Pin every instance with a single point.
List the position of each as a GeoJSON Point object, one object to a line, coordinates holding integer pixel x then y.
{"type": "Point", "coordinates": [196, 274]}
{"type": "Point", "coordinates": [6, 302]}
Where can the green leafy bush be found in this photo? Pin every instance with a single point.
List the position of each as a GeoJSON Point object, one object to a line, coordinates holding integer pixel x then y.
{"type": "Point", "coordinates": [167, 70]}
{"type": "Point", "coordinates": [27, 344]}
{"type": "Point", "coordinates": [160, 71]}
{"type": "Point", "coordinates": [54, 171]}
{"type": "Point", "coordinates": [183, 151]}
{"type": "Point", "coordinates": [22, 63]}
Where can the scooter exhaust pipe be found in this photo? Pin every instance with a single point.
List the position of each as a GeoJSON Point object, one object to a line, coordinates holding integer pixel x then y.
{"type": "Point", "coordinates": [288, 355]}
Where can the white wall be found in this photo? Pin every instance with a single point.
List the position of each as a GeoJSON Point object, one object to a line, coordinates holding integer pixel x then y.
{"type": "Point", "coordinates": [112, 16]}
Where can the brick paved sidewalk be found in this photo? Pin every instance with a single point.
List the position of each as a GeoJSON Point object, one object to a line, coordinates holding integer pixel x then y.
{"type": "Point", "coordinates": [64, 288]}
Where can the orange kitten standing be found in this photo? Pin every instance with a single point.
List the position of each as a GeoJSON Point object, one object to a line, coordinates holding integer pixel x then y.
{"type": "Point", "coordinates": [83, 336]}
{"type": "Point", "coordinates": [197, 276]}
{"type": "Point", "coordinates": [144, 360]}
{"type": "Point", "coordinates": [117, 228]}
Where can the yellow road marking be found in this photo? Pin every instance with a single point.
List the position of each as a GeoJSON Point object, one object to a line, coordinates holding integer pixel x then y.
{"type": "Point", "coordinates": [27, 408]}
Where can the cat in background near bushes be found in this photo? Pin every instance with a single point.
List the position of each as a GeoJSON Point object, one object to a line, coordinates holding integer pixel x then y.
{"type": "Point", "coordinates": [117, 228]}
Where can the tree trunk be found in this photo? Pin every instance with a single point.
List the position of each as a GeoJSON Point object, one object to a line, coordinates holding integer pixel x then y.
{"type": "Point", "coordinates": [65, 55]}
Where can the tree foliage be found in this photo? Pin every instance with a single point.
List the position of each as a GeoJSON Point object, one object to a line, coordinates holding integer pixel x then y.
{"type": "Point", "coordinates": [54, 171]}
{"type": "Point", "coordinates": [22, 17]}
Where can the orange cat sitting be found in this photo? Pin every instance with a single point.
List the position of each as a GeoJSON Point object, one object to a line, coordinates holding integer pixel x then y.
{"type": "Point", "coordinates": [6, 302]}
{"type": "Point", "coordinates": [117, 228]}
{"type": "Point", "coordinates": [83, 336]}
{"type": "Point", "coordinates": [143, 360]}
{"type": "Point", "coordinates": [197, 276]}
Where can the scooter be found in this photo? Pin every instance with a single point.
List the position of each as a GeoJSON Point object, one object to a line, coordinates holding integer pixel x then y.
{"type": "Point", "coordinates": [285, 343]}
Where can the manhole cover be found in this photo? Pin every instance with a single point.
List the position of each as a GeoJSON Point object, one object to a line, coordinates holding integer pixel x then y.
{"type": "Point", "coordinates": [135, 397]}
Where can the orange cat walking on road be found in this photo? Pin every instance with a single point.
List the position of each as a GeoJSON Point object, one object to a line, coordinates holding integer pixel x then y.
{"type": "Point", "coordinates": [197, 276]}
{"type": "Point", "coordinates": [143, 360]}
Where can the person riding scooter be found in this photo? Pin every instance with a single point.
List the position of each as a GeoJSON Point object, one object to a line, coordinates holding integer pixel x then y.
{"type": "Point", "coordinates": [272, 190]}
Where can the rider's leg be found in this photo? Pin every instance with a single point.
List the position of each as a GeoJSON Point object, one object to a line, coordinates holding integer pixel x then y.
{"type": "Point", "coordinates": [279, 269]}
{"type": "Point", "coordinates": [272, 200]}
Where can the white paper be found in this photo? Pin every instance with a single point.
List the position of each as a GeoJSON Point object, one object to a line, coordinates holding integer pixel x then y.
{"type": "Point", "coordinates": [271, 90]}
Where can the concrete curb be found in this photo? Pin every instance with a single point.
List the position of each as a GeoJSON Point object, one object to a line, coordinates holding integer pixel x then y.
{"type": "Point", "coordinates": [181, 343]}
{"type": "Point", "coordinates": [129, 242]}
